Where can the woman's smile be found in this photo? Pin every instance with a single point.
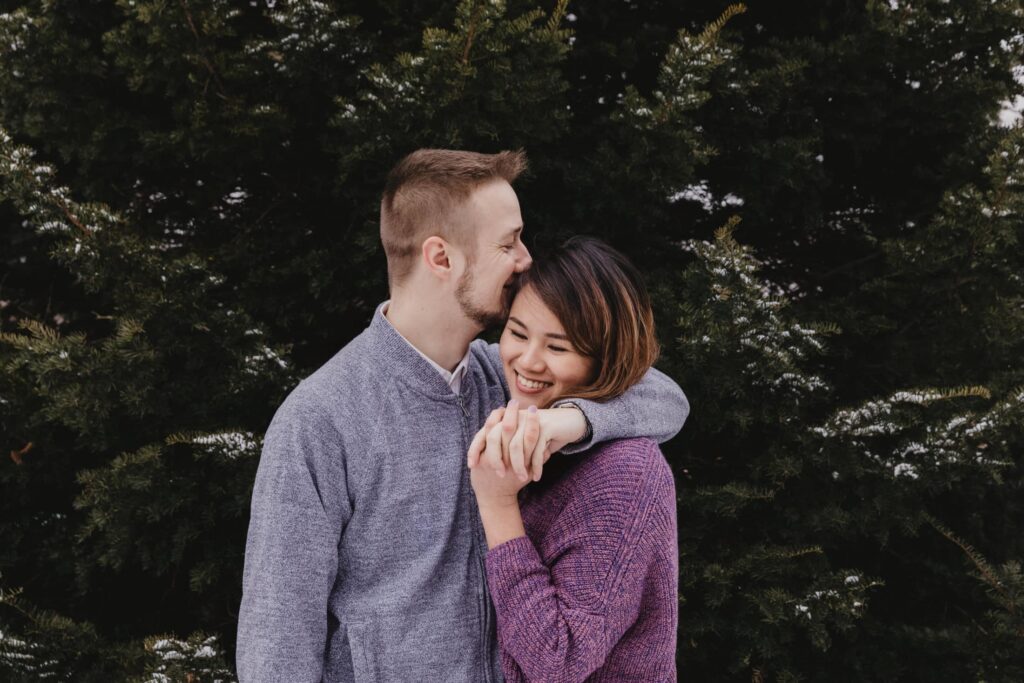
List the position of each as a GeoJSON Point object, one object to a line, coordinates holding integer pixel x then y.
{"type": "Point", "coordinates": [535, 340]}
{"type": "Point", "coordinates": [528, 386]}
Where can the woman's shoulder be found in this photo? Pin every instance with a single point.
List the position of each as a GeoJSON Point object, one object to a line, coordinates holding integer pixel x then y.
{"type": "Point", "coordinates": [637, 447]}
{"type": "Point", "coordinates": [627, 471]}
{"type": "Point", "coordinates": [607, 501]}
{"type": "Point", "coordinates": [623, 456]}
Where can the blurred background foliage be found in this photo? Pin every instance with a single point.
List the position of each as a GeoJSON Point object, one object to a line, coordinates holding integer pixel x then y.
{"type": "Point", "coordinates": [827, 199]}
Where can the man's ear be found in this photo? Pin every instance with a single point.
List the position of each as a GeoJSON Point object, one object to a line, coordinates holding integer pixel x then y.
{"type": "Point", "coordinates": [437, 257]}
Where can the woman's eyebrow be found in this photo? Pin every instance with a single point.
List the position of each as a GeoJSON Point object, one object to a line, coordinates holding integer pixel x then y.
{"type": "Point", "coordinates": [519, 322]}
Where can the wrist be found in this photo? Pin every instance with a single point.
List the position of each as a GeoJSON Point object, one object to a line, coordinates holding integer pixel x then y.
{"type": "Point", "coordinates": [502, 521]}
{"type": "Point", "coordinates": [497, 503]}
{"type": "Point", "coordinates": [578, 428]}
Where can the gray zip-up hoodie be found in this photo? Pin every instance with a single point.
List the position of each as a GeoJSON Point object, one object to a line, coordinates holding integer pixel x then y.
{"type": "Point", "coordinates": [365, 554]}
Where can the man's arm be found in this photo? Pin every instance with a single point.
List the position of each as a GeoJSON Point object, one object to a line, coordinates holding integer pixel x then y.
{"type": "Point", "coordinates": [299, 509]}
{"type": "Point", "coordinates": [654, 407]}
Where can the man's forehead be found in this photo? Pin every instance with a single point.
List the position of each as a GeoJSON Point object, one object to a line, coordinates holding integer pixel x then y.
{"type": "Point", "coordinates": [492, 212]}
{"type": "Point", "coordinates": [492, 194]}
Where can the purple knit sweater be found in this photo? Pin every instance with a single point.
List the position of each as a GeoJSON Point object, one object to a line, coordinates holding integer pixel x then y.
{"type": "Point", "coordinates": [590, 593]}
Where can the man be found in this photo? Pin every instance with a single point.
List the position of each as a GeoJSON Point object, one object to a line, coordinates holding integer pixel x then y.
{"type": "Point", "coordinates": [364, 558]}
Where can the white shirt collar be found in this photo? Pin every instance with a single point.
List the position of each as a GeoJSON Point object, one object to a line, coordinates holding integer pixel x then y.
{"type": "Point", "coordinates": [453, 378]}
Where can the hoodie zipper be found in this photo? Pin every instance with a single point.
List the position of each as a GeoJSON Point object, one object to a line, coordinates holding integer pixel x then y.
{"type": "Point", "coordinates": [485, 602]}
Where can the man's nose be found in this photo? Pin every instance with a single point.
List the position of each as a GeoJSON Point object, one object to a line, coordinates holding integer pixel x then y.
{"type": "Point", "coordinates": [525, 261]}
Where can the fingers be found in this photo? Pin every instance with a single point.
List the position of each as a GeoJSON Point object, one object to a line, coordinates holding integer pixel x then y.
{"type": "Point", "coordinates": [516, 455]}
{"type": "Point", "coordinates": [492, 456]}
{"type": "Point", "coordinates": [508, 427]}
{"type": "Point", "coordinates": [473, 454]}
{"type": "Point", "coordinates": [539, 456]}
{"type": "Point", "coordinates": [531, 436]}
{"type": "Point", "coordinates": [480, 440]}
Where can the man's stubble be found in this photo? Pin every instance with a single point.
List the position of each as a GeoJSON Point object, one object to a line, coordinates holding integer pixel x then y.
{"type": "Point", "coordinates": [481, 316]}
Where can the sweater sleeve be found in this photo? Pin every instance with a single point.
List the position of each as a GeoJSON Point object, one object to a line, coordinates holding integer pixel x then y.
{"type": "Point", "coordinates": [299, 509]}
{"type": "Point", "coordinates": [539, 627]}
{"type": "Point", "coordinates": [655, 407]}
{"type": "Point", "coordinates": [560, 621]}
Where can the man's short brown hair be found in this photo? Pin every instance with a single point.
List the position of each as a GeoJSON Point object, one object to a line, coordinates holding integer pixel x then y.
{"type": "Point", "coordinates": [422, 192]}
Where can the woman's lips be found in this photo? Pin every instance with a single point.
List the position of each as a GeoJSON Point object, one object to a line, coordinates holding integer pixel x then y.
{"type": "Point", "coordinates": [529, 390]}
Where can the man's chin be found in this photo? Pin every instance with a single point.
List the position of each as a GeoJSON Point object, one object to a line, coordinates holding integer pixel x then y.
{"type": "Point", "coordinates": [486, 319]}
{"type": "Point", "coordinates": [507, 296]}
{"type": "Point", "coordinates": [494, 319]}
{"type": "Point", "coordinates": [498, 315]}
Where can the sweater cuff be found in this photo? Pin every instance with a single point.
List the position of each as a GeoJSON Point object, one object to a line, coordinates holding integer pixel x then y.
{"type": "Point", "coordinates": [509, 564]}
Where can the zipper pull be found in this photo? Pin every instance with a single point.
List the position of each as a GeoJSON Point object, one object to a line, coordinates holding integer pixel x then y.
{"type": "Point", "coordinates": [462, 404]}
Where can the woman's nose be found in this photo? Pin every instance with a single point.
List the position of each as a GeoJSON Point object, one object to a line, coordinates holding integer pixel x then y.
{"type": "Point", "coordinates": [532, 359]}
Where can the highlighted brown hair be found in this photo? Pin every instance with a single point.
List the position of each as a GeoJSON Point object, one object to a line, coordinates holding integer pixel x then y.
{"type": "Point", "coordinates": [601, 301]}
{"type": "Point", "coordinates": [421, 194]}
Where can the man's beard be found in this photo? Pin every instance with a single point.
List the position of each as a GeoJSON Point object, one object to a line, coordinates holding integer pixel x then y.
{"type": "Point", "coordinates": [481, 316]}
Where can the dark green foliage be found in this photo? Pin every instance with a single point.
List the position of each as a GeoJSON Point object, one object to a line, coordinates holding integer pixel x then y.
{"type": "Point", "coordinates": [188, 200]}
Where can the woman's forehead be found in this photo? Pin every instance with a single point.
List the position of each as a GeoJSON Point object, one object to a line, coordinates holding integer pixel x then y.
{"type": "Point", "coordinates": [529, 311]}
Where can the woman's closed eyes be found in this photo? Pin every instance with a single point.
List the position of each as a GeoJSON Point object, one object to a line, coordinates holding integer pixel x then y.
{"type": "Point", "coordinates": [523, 337]}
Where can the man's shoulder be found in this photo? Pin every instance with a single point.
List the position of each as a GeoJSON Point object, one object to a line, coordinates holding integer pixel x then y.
{"type": "Point", "coordinates": [352, 367]}
{"type": "Point", "coordinates": [486, 361]}
{"type": "Point", "coordinates": [348, 384]}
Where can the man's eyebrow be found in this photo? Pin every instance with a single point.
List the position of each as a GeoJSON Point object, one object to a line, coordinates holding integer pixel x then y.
{"type": "Point", "coordinates": [514, 231]}
{"type": "Point", "coordinates": [519, 322]}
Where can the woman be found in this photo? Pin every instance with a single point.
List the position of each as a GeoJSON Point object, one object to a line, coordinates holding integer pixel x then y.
{"type": "Point", "coordinates": [582, 565]}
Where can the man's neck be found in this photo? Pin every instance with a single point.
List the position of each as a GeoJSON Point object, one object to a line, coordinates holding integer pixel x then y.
{"type": "Point", "coordinates": [441, 334]}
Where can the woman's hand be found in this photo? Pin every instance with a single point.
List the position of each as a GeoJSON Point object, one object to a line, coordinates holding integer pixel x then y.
{"type": "Point", "coordinates": [490, 484]}
{"type": "Point", "coordinates": [523, 440]}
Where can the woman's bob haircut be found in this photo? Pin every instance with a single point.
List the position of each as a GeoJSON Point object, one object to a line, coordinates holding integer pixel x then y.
{"type": "Point", "coordinates": [601, 301]}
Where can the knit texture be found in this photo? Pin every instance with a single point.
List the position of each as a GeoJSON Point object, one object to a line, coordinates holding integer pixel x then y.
{"type": "Point", "coordinates": [365, 554]}
{"type": "Point", "coordinates": [590, 593]}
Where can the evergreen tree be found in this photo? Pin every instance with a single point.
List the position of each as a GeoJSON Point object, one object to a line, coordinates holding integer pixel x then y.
{"type": "Point", "coordinates": [188, 199]}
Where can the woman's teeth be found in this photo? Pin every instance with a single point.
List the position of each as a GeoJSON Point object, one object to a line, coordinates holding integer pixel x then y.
{"type": "Point", "coordinates": [530, 384]}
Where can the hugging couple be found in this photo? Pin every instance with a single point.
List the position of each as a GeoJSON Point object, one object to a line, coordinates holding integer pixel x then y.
{"type": "Point", "coordinates": [407, 523]}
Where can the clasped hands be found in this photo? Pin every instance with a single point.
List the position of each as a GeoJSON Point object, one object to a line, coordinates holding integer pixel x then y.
{"type": "Point", "coordinates": [519, 442]}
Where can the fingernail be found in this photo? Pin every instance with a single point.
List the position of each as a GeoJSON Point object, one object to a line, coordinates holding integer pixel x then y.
{"type": "Point", "coordinates": [532, 409]}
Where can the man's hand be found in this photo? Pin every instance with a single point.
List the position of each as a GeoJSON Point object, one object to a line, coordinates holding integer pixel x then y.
{"type": "Point", "coordinates": [523, 440]}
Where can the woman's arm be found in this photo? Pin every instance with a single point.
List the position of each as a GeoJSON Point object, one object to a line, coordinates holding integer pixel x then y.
{"type": "Point", "coordinates": [497, 489]}
{"type": "Point", "coordinates": [560, 621]}
{"type": "Point", "coordinates": [548, 631]}
{"type": "Point", "coordinates": [502, 520]}
{"type": "Point", "coordinates": [523, 440]}
{"type": "Point", "coordinates": [655, 407]}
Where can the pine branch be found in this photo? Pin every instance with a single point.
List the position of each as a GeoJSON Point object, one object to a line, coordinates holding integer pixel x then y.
{"type": "Point", "coordinates": [557, 14]}
{"type": "Point", "coordinates": [202, 52]}
{"type": "Point", "coordinates": [471, 33]}
{"type": "Point", "coordinates": [711, 31]}
{"type": "Point", "coordinates": [985, 570]}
